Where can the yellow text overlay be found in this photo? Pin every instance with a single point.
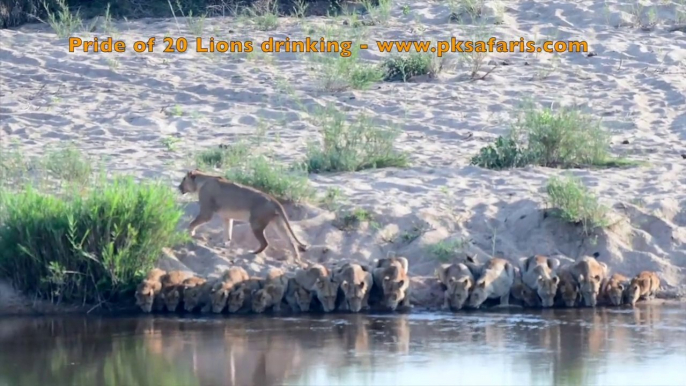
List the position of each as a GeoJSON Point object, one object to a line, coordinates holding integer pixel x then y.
{"type": "Point", "coordinates": [344, 47]}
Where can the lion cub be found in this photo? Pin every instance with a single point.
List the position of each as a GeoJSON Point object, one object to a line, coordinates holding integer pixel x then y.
{"type": "Point", "coordinates": [241, 297]}
{"type": "Point", "coordinates": [172, 288]}
{"type": "Point", "coordinates": [458, 280]}
{"type": "Point", "coordinates": [219, 294]}
{"type": "Point", "coordinates": [613, 289]}
{"type": "Point", "coordinates": [644, 285]}
{"type": "Point", "coordinates": [495, 281]}
{"type": "Point", "coordinates": [521, 293]}
{"type": "Point", "coordinates": [199, 296]}
{"type": "Point", "coordinates": [567, 289]}
{"type": "Point", "coordinates": [589, 274]}
{"type": "Point", "coordinates": [539, 275]}
{"type": "Point", "coordinates": [298, 297]}
{"type": "Point", "coordinates": [273, 292]}
{"type": "Point", "coordinates": [233, 201]}
{"type": "Point", "coordinates": [319, 279]}
{"type": "Point", "coordinates": [356, 282]}
{"type": "Point", "coordinates": [148, 291]}
{"type": "Point", "coordinates": [390, 275]}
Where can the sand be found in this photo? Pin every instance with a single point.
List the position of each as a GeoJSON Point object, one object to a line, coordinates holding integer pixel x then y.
{"type": "Point", "coordinates": [123, 108]}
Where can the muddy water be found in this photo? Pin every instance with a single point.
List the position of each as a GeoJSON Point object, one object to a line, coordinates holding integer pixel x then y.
{"type": "Point", "coordinates": [642, 346]}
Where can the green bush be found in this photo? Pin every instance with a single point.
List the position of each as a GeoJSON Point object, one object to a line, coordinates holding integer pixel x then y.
{"type": "Point", "coordinates": [239, 164]}
{"type": "Point", "coordinates": [574, 203]}
{"type": "Point", "coordinates": [90, 246]}
{"type": "Point", "coordinates": [564, 138]}
{"type": "Point", "coordinates": [405, 67]}
{"type": "Point", "coordinates": [352, 146]}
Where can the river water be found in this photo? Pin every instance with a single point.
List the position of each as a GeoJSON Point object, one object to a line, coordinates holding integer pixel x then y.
{"type": "Point", "coordinates": [641, 346]}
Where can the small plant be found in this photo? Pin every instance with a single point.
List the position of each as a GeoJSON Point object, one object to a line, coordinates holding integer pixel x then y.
{"type": "Point", "coordinates": [417, 230]}
{"type": "Point", "coordinates": [265, 17]}
{"type": "Point", "coordinates": [406, 10]}
{"type": "Point", "coordinates": [344, 69]}
{"type": "Point", "coordinates": [223, 156]}
{"type": "Point", "coordinates": [444, 250]}
{"type": "Point", "coordinates": [239, 163]}
{"type": "Point", "coordinates": [404, 67]}
{"type": "Point", "coordinates": [380, 13]}
{"type": "Point", "coordinates": [64, 23]}
{"type": "Point", "coordinates": [170, 143]}
{"type": "Point", "coordinates": [196, 24]}
{"type": "Point", "coordinates": [283, 182]}
{"type": "Point", "coordinates": [300, 8]}
{"type": "Point", "coordinates": [350, 220]}
{"type": "Point", "coordinates": [332, 198]}
{"type": "Point", "coordinates": [574, 203]}
{"type": "Point", "coordinates": [564, 138]}
{"type": "Point", "coordinates": [67, 163]}
{"type": "Point", "coordinates": [504, 153]}
{"type": "Point", "coordinates": [352, 146]}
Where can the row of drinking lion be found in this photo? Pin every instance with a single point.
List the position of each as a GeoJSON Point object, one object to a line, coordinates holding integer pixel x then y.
{"type": "Point", "coordinates": [539, 282]}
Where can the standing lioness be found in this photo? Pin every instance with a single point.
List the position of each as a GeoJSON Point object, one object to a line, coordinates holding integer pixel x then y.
{"type": "Point", "coordinates": [232, 201]}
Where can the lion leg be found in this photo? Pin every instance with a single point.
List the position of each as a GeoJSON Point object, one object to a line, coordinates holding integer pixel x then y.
{"type": "Point", "coordinates": [365, 301]}
{"type": "Point", "coordinates": [406, 299]}
{"type": "Point", "coordinates": [505, 299]}
{"type": "Point", "coordinates": [228, 231]}
{"type": "Point", "coordinates": [446, 301]}
{"type": "Point", "coordinates": [203, 217]}
{"type": "Point", "coordinates": [258, 231]}
{"type": "Point", "coordinates": [281, 229]}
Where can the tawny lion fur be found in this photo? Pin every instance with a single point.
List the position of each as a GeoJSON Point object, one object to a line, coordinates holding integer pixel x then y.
{"type": "Point", "coordinates": [568, 294]}
{"type": "Point", "coordinates": [539, 275]}
{"type": "Point", "coordinates": [459, 281]}
{"type": "Point", "coordinates": [356, 281]}
{"type": "Point", "coordinates": [272, 293]}
{"type": "Point", "coordinates": [613, 289]}
{"type": "Point", "coordinates": [241, 297]}
{"type": "Point", "coordinates": [172, 289]}
{"type": "Point", "coordinates": [231, 278]}
{"type": "Point", "coordinates": [521, 293]}
{"type": "Point", "coordinates": [589, 274]}
{"type": "Point", "coordinates": [644, 285]}
{"type": "Point", "coordinates": [390, 274]}
{"type": "Point", "coordinates": [148, 291]}
{"type": "Point", "coordinates": [233, 201]}
{"type": "Point", "coordinates": [495, 281]}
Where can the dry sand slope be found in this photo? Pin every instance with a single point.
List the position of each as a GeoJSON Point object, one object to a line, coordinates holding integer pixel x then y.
{"type": "Point", "coordinates": [122, 107]}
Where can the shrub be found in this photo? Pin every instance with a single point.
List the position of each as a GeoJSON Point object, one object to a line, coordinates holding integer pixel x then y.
{"type": "Point", "coordinates": [565, 138]}
{"type": "Point", "coordinates": [352, 146]}
{"type": "Point", "coordinates": [574, 203]}
{"type": "Point", "coordinates": [91, 246]}
{"type": "Point", "coordinates": [258, 171]}
{"type": "Point", "coordinates": [404, 67]}
{"type": "Point", "coordinates": [445, 250]}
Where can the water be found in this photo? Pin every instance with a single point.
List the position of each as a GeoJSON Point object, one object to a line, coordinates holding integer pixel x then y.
{"type": "Point", "coordinates": [641, 346]}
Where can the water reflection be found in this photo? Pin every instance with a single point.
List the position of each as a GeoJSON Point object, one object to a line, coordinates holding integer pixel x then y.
{"type": "Point", "coordinates": [645, 345]}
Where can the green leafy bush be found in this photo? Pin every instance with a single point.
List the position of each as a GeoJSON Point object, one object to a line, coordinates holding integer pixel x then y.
{"type": "Point", "coordinates": [574, 203]}
{"type": "Point", "coordinates": [348, 147]}
{"type": "Point", "coordinates": [564, 138]}
{"type": "Point", "coordinates": [89, 246]}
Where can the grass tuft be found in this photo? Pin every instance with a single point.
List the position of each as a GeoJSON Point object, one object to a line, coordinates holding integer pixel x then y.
{"type": "Point", "coordinates": [564, 138]}
{"type": "Point", "coordinates": [404, 67]}
{"type": "Point", "coordinates": [574, 203]}
{"type": "Point", "coordinates": [347, 147]}
{"type": "Point", "coordinates": [239, 164]}
{"type": "Point", "coordinates": [63, 22]}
